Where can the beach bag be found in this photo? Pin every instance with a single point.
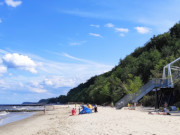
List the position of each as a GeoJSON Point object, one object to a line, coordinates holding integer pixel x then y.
{"type": "Point", "coordinates": [173, 108]}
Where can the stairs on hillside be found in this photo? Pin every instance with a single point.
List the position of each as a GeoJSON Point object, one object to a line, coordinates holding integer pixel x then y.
{"type": "Point", "coordinates": [154, 83]}
{"type": "Point", "coordinates": [171, 75]}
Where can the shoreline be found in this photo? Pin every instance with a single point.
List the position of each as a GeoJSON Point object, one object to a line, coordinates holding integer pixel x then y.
{"type": "Point", "coordinates": [13, 113]}
{"type": "Point", "coordinates": [107, 121]}
{"type": "Point", "coordinates": [26, 119]}
{"type": "Point", "coordinates": [20, 126]}
{"type": "Point", "coordinates": [15, 116]}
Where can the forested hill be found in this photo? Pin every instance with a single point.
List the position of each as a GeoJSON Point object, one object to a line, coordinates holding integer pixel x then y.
{"type": "Point", "coordinates": [131, 73]}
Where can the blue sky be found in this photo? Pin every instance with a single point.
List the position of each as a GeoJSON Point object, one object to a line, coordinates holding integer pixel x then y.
{"type": "Point", "coordinates": [48, 47]}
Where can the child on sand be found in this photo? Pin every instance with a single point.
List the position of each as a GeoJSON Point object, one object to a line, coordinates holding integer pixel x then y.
{"type": "Point", "coordinates": [73, 111]}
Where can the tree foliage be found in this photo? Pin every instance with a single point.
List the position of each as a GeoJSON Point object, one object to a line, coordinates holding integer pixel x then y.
{"type": "Point", "coordinates": [131, 73]}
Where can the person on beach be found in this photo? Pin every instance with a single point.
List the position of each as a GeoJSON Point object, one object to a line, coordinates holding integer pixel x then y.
{"type": "Point", "coordinates": [165, 110]}
{"type": "Point", "coordinates": [89, 106]}
{"type": "Point", "coordinates": [73, 111]}
{"type": "Point", "coordinates": [79, 110]}
{"type": "Point", "coordinates": [95, 108]}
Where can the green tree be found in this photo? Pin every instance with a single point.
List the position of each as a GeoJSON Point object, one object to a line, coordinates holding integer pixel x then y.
{"type": "Point", "coordinates": [133, 83]}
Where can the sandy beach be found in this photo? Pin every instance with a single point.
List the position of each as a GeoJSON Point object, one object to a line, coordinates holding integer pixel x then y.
{"type": "Point", "coordinates": [108, 121]}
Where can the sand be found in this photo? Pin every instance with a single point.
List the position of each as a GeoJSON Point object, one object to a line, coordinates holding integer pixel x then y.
{"type": "Point", "coordinates": [108, 121]}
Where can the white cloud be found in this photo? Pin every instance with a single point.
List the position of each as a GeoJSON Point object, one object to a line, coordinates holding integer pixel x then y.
{"type": "Point", "coordinates": [142, 30]}
{"type": "Point", "coordinates": [3, 69]}
{"type": "Point", "coordinates": [122, 30]}
{"type": "Point", "coordinates": [160, 22]}
{"type": "Point", "coordinates": [56, 75]}
{"type": "Point", "coordinates": [51, 83]}
{"type": "Point", "coordinates": [84, 13]}
{"type": "Point", "coordinates": [109, 25]}
{"type": "Point", "coordinates": [53, 78]}
{"type": "Point", "coordinates": [13, 3]}
{"type": "Point", "coordinates": [93, 25]}
{"type": "Point", "coordinates": [95, 35]}
{"type": "Point", "coordinates": [3, 52]}
{"type": "Point", "coordinates": [77, 43]}
{"type": "Point", "coordinates": [59, 81]}
{"type": "Point", "coordinates": [48, 82]}
{"type": "Point", "coordinates": [72, 57]}
{"type": "Point", "coordinates": [78, 59]}
{"type": "Point", "coordinates": [79, 67]}
{"type": "Point", "coordinates": [20, 62]}
{"type": "Point", "coordinates": [87, 65]}
{"type": "Point", "coordinates": [0, 20]}
{"type": "Point", "coordinates": [122, 35]}
{"type": "Point", "coordinates": [37, 90]}
{"type": "Point", "coordinates": [21, 84]}
{"type": "Point", "coordinates": [3, 84]}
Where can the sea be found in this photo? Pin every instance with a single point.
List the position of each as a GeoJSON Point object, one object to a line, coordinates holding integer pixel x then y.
{"type": "Point", "coordinates": [18, 114]}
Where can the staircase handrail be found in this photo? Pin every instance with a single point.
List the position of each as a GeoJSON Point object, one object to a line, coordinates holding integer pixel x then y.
{"type": "Point", "coordinates": [154, 83]}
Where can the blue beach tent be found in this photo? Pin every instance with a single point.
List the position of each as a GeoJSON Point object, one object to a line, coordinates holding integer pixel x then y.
{"type": "Point", "coordinates": [85, 110]}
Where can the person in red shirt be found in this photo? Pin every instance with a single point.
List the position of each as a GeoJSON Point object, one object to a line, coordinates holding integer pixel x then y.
{"type": "Point", "coordinates": [73, 111]}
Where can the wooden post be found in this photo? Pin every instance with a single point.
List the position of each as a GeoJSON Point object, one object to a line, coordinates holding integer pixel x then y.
{"type": "Point", "coordinates": [160, 99]}
{"type": "Point", "coordinates": [157, 99]}
{"type": "Point", "coordinates": [44, 109]}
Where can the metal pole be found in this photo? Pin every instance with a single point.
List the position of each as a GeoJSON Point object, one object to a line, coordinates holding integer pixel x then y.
{"type": "Point", "coordinates": [164, 73]}
{"type": "Point", "coordinates": [170, 97]}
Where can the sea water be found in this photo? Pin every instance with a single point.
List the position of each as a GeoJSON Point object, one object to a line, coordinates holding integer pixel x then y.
{"type": "Point", "coordinates": [8, 117]}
